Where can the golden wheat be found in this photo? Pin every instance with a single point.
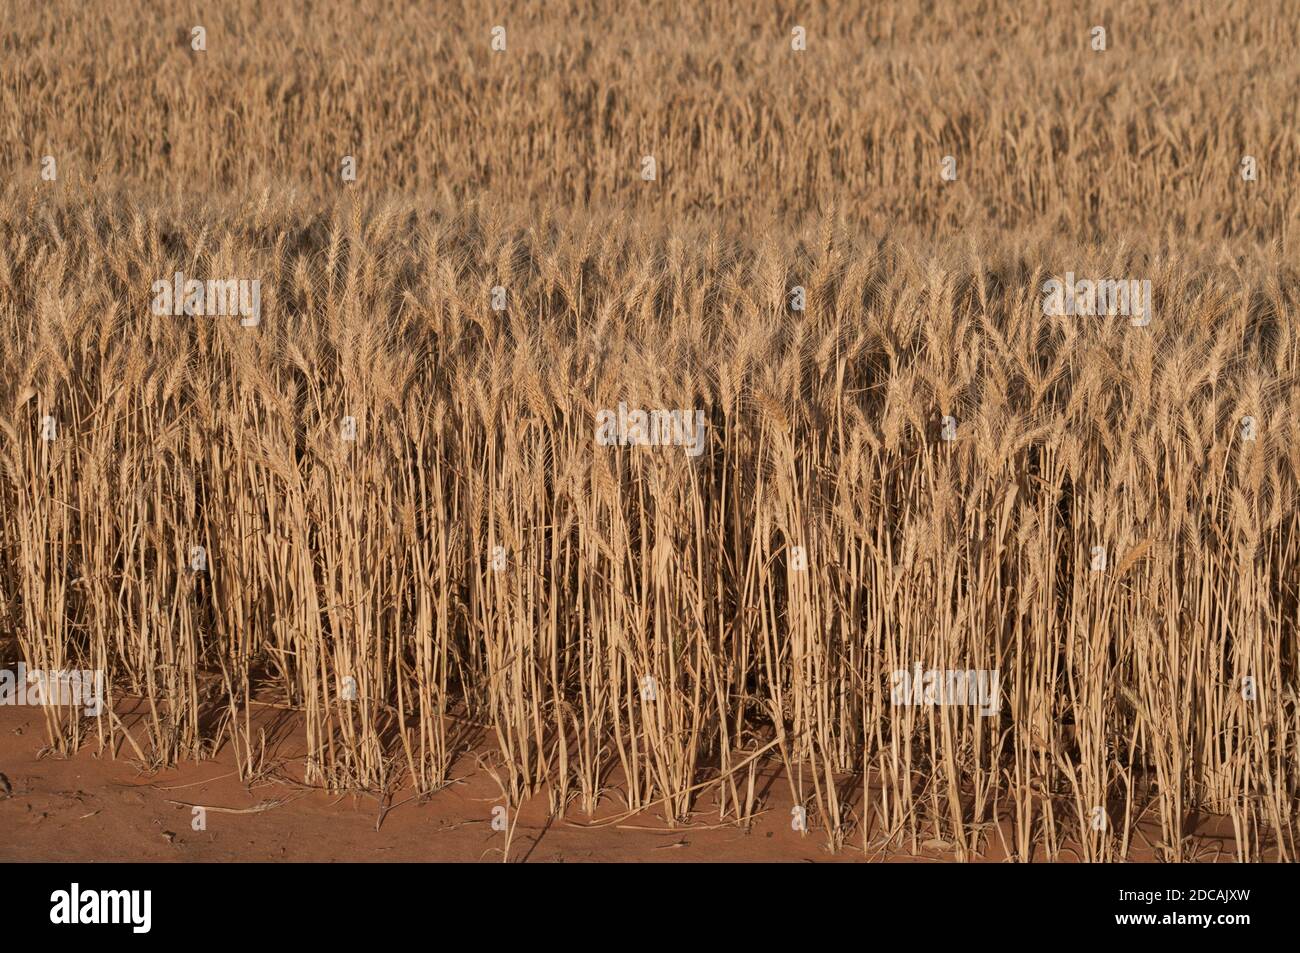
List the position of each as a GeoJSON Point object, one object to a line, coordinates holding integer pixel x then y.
{"type": "Point", "coordinates": [919, 468]}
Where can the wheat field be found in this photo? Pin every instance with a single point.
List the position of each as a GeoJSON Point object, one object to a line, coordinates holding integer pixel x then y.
{"type": "Point", "coordinates": [916, 469]}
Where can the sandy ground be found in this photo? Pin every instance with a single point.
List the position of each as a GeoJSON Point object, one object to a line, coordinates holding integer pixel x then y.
{"type": "Point", "coordinates": [97, 808]}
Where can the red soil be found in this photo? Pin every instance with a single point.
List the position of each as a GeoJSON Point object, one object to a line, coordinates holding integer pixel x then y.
{"type": "Point", "coordinates": [103, 808]}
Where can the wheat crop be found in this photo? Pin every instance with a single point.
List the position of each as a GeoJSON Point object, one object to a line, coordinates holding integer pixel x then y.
{"type": "Point", "coordinates": [412, 538]}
